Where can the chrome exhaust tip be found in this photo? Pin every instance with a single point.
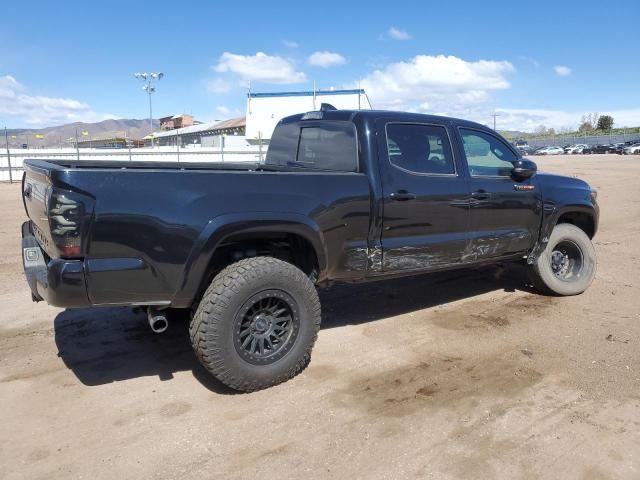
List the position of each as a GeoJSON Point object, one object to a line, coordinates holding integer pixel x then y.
{"type": "Point", "coordinates": [157, 320]}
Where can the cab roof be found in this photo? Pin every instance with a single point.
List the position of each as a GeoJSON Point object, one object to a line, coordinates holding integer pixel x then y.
{"type": "Point", "coordinates": [372, 115]}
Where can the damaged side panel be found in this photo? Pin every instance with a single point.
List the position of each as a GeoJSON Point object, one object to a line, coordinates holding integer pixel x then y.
{"type": "Point", "coordinates": [496, 243]}
{"type": "Point", "coordinates": [413, 254]}
{"type": "Point", "coordinates": [361, 260]}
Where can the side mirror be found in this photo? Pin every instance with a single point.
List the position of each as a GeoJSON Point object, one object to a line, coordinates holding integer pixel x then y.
{"type": "Point", "coordinates": [523, 169]}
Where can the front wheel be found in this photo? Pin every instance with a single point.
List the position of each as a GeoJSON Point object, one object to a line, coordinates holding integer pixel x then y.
{"type": "Point", "coordinates": [567, 266]}
{"type": "Point", "coordinates": [256, 323]}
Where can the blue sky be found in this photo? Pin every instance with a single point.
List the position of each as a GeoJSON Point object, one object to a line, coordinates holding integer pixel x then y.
{"type": "Point", "coordinates": [533, 62]}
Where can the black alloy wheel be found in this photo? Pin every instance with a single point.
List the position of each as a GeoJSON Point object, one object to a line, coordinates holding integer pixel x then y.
{"type": "Point", "coordinates": [266, 326]}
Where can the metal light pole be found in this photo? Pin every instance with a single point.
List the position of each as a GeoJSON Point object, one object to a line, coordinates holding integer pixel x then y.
{"type": "Point", "coordinates": [148, 78]}
{"type": "Point", "coordinates": [494, 115]}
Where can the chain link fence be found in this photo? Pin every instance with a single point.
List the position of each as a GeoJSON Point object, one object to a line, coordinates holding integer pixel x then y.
{"type": "Point", "coordinates": [572, 139]}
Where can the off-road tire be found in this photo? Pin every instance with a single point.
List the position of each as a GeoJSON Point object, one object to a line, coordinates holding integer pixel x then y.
{"type": "Point", "coordinates": [212, 327]}
{"type": "Point", "coordinates": [542, 273]}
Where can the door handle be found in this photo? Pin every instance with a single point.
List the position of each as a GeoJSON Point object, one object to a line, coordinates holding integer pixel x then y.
{"type": "Point", "coordinates": [481, 195]}
{"type": "Point", "coordinates": [402, 196]}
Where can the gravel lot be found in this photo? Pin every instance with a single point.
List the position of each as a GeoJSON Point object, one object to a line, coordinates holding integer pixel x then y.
{"type": "Point", "coordinates": [459, 375]}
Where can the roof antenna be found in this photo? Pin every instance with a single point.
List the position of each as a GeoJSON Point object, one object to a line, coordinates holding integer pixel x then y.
{"type": "Point", "coordinates": [325, 107]}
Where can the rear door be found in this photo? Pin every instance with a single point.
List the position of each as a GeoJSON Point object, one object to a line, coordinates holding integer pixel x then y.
{"type": "Point", "coordinates": [505, 214]}
{"type": "Point", "coordinates": [426, 206]}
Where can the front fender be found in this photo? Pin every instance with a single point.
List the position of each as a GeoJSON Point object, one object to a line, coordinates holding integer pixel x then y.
{"type": "Point", "coordinates": [222, 227]}
{"type": "Point", "coordinates": [550, 216]}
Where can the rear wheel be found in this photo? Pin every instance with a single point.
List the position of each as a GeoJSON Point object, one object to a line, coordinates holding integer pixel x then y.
{"type": "Point", "coordinates": [256, 324]}
{"type": "Point", "coordinates": [568, 264]}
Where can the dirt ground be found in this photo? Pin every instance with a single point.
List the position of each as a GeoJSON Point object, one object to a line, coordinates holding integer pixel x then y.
{"type": "Point", "coordinates": [461, 375]}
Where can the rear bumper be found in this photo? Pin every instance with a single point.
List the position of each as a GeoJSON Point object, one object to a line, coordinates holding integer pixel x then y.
{"type": "Point", "coordinates": [58, 282]}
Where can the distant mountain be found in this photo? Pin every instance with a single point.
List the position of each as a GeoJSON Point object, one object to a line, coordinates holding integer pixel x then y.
{"type": "Point", "coordinates": [60, 135]}
{"type": "Point", "coordinates": [513, 134]}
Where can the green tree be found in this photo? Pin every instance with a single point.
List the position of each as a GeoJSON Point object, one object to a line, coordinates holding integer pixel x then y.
{"type": "Point", "coordinates": [585, 127]}
{"type": "Point", "coordinates": [540, 130]}
{"type": "Point", "coordinates": [605, 122]}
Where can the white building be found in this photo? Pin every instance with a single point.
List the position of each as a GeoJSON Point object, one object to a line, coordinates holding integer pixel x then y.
{"type": "Point", "coordinates": [264, 110]}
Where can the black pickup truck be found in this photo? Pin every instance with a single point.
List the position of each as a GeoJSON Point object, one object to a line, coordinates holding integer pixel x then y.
{"type": "Point", "coordinates": [343, 196]}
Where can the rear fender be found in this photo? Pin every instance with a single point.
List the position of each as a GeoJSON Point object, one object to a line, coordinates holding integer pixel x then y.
{"type": "Point", "coordinates": [224, 226]}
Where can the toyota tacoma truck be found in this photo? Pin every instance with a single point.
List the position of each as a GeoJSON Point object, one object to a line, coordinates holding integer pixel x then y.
{"type": "Point", "coordinates": [343, 196]}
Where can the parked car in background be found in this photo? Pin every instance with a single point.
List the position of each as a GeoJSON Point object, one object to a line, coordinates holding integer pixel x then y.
{"type": "Point", "coordinates": [600, 148]}
{"type": "Point", "coordinates": [526, 150]}
{"type": "Point", "coordinates": [584, 150]}
{"type": "Point", "coordinates": [617, 148]}
{"type": "Point", "coordinates": [577, 148]}
{"type": "Point", "coordinates": [539, 150]}
{"type": "Point", "coordinates": [551, 151]}
{"type": "Point", "coordinates": [632, 149]}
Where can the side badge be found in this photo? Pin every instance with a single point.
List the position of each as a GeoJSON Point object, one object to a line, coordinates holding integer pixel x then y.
{"type": "Point", "coordinates": [524, 188]}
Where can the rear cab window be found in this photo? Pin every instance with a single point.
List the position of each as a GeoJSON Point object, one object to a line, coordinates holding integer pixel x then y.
{"type": "Point", "coordinates": [323, 145]}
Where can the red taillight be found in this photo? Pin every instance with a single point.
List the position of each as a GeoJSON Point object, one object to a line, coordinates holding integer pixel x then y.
{"type": "Point", "coordinates": [73, 251]}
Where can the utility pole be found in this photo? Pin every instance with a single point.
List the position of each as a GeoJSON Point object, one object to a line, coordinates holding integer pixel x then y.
{"type": "Point", "coordinates": [494, 115]}
{"type": "Point", "coordinates": [148, 78]}
{"type": "Point", "coordinates": [6, 138]}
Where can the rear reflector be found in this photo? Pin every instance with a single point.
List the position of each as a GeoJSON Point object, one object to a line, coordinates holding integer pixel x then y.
{"type": "Point", "coordinates": [72, 251]}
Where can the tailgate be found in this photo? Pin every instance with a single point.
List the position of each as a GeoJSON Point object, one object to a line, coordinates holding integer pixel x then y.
{"type": "Point", "coordinates": [36, 190]}
{"type": "Point", "coordinates": [60, 217]}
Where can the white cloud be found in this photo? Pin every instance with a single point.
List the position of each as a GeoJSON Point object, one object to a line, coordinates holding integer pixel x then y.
{"type": "Point", "coordinates": [218, 85]}
{"type": "Point", "coordinates": [530, 60]}
{"type": "Point", "coordinates": [397, 34]}
{"type": "Point", "coordinates": [326, 59]}
{"type": "Point", "coordinates": [448, 85]}
{"type": "Point", "coordinates": [290, 44]}
{"type": "Point", "coordinates": [527, 119]}
{"type": "Point", "coordinates": [436, 84]}
{"type": "Point", "coordinates": [40, 111]}
{"type": "Point", "coordinates": [224, 110]}
{"type": "Point", "coordinates": [259, 67]}
{"type": "Point", "coordinates": [562, 70]}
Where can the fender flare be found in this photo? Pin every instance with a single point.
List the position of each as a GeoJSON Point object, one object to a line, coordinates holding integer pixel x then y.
{"type": "Point", "coordinates": [550, 216]}
{"type": "Point", "coordinates": [222, 227]}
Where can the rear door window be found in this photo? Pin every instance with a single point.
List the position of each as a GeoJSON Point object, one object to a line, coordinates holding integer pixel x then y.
{"type": "Point", "coordinates": [420, 148]}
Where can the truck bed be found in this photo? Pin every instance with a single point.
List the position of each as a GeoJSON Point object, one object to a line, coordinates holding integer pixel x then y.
{"type": "Point", "coordinates": [124, 165]}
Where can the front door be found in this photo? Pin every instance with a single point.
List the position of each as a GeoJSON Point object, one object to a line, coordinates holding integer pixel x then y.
{"type": "Point", "coordinates": [426, 197]}
{"type": "Point", "coordinates": [505, 213]}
